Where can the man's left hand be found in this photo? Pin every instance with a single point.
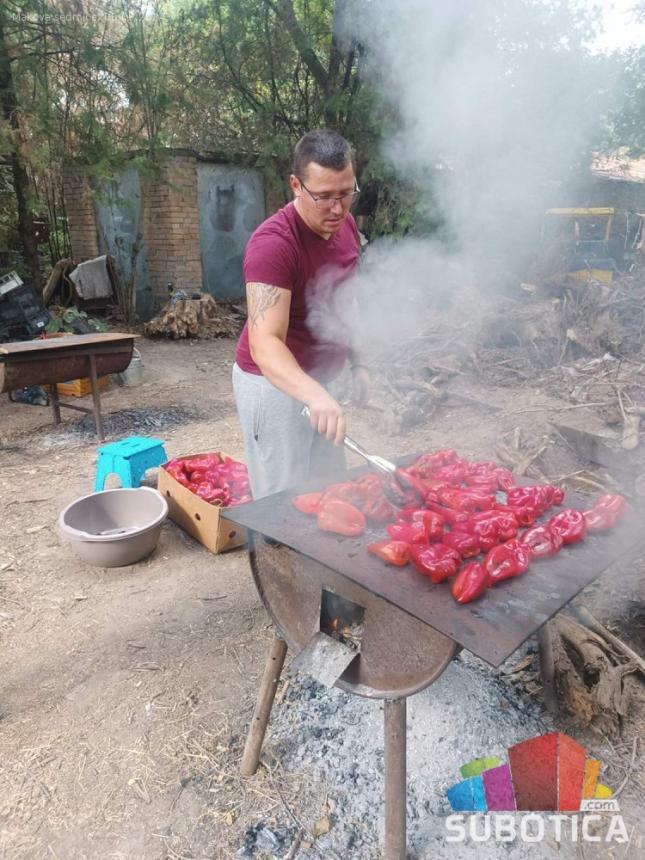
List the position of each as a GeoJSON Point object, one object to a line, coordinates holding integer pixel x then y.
{"type": "Point", "coordinates": [360, 386]}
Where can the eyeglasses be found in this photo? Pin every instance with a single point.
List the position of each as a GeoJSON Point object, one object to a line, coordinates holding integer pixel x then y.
{"type": "Point", "coordinates": [322, 201]}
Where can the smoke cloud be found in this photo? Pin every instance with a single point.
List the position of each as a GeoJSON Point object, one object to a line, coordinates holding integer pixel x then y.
{"type": "Point", "coordinates": [491, 109]}
{"type": "Point", "coordinates": [492, 105]}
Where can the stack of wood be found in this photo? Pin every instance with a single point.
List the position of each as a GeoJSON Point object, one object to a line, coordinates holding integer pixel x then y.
{"type": "Point", "coordinates": [198, 317]}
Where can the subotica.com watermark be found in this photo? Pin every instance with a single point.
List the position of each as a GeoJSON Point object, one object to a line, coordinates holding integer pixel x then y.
{"type": "Point", "coordinates": [536, 827]}
{"type": "Point", "coordinates": [549, 790]}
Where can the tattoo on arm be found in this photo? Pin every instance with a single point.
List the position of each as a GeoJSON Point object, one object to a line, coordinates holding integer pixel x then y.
{"type": "Point", "coordinates": [261, 297]}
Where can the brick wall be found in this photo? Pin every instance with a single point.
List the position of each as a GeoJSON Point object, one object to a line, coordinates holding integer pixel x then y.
{"type": "Point", "coordinates": [80, 215]}
{"type": "Point", "coordinates": [170, 222]}
{"type": "Point", "coordinates": [171, 225]}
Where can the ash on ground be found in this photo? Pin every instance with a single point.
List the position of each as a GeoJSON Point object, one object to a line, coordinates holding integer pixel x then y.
{"type": "Point", "coordinates": [469, 712]}
{"type": "Point", "coordinates": [115, 424]}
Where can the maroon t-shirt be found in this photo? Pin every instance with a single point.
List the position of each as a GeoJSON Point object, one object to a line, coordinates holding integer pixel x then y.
{"type": "Point", "coordinates": [285, 252]}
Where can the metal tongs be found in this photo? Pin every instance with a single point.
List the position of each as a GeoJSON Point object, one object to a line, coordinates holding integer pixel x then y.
{"type": "Point", "coordinates": [379, 463]}
{"type": "Point", "coordinates": [397, 490]}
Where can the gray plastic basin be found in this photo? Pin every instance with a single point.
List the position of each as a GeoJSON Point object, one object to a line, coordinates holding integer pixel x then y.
{"type": "Point", "coordinates": [114, 527]}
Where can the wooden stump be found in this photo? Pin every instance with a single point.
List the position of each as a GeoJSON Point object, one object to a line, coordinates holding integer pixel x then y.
{"type": "Point", "coordinates": [590, 672]}
{"type": "Point", "coordinates": [201, 317]}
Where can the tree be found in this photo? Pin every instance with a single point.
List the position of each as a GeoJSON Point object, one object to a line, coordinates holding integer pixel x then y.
{"type": "Point", "coordinates": [13, 145]}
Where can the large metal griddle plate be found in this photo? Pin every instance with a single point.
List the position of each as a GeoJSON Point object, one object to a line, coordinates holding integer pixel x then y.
{"type": "Point", "coordinates": [492, 627]}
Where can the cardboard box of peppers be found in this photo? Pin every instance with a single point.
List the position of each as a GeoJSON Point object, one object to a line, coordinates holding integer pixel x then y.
{"type": "Point", "coordinates": [453, 513]}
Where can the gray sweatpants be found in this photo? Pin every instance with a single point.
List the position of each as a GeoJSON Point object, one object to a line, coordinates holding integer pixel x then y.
{"type": "Point", "coordinates": [282, 450]}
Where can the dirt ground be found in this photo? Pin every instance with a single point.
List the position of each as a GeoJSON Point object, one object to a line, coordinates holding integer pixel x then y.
{"type": "Point", "coordinates": [125, 693]}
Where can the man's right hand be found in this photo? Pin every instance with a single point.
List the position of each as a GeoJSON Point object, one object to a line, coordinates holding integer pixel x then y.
{"type": "Point", "coordinates": [326, 417]}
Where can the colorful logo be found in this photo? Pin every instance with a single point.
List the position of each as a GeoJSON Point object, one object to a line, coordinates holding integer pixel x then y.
{"type": "Point", "coordinates": [548, 773]}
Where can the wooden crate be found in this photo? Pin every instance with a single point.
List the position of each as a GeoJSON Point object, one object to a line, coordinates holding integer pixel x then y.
{"type": "Point", "coordinates": [81, 387]}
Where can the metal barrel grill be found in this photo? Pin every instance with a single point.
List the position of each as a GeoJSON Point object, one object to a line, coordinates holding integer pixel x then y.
{"type": "Point", "coordinates": [387, 634]}
{"type": "Point", "coordinates": [41, 362]}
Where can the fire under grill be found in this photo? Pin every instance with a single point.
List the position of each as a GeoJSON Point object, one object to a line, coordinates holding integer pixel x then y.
{"type": "Point", "coordinates": [386, 634]}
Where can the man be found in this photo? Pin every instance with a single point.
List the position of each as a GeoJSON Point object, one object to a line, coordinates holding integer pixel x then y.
{"type": "Point", "coordinates": [294, 343]}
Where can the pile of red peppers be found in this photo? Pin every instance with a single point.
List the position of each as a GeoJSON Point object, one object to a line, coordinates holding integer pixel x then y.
{"type": "Point", "coordinates": [215, 478]}
{"type": "Point", "coordinates": [454, 524]}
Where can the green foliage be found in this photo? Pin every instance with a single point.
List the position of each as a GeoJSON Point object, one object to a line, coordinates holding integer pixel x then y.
{"type": "Point", "coordinates": [626, 125]}
{"type": "Point", "coordinates": [63, 319]}
{"type": "Point", "coordinates": [240, 78]}
{"type": "Point", "coordinates": [397, 207]}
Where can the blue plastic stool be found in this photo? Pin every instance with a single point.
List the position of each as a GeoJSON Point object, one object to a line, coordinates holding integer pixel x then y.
{"type": "Point", "coordinates": [129, 459]}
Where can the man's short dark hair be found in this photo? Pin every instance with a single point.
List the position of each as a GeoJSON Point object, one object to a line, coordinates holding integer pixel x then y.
{"type": "Point", "coordinates": [324, 146]}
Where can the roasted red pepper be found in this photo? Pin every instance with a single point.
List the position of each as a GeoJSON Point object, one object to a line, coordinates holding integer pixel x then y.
{"type": "Point", "coordinates": [599, 520]}
{"type": "Point", "coordinates": [451, 517]}
{"type": "Point", "coordinates": [485, 531]}
{"type": "Point", "coordinates": [412, 532]}
{"type": "Point", "coordinates": [404, 515]}
{"type": "Point", "coordinates": [505, 521]}
{"type": "Point", "coordinates": [558, 496]}
{"type": "Point", "coordinates": [483, 501]}
{"type": "Point", "coordinates": [525, 515]}
{"type": "Point", "coordinates": [542, 541]}
{"type": "Point", "coordinates": [465, 543]}
{"type": "Point", "coordinates": [398, 494]}
{"type": "Point", "coordinates": [378, 509]}
{"type": "Point", "coordinates": [395, 552]}
{"type": "Point", "coordinates": [436, 560]}
{"type": "Point", "coordinates": [481, 467]}
{"type": "Point", "coordinates": [612, 502]}
{"type": "Point", "coordinates": [522, 554]}
{"type": "Point", "coordinates": [411, 484]}
{"type": "Point", "coordinates": [308, 503]}
{"type": "Point", "coordinates": [340, 517]}
{"type": "Point", "coordinates": [370, 483]}
{"type": "Point", "coordinates": [570, 524]}
{"type": "Point", "coordinates": [507, 525]}
{"type": "Point", "coordinates": [457, 500]}
{"type": "Point", "coordinates": [539, 496]}
{"type": "Point", "coordinates": [500, 564]}
{"type": "Point", "coordinates": [426, 464]}
{"type": "Point", "coordinates": [470, 583]}
{"type": "Point", "coordinates": [347, 491]}
{"type": "Point", "coordinates": [505, 479]}
{"type": "Point", "coordinates": [433, 522]}
{"type": "Point", "coordinates": [453, 474]}
{"type": "Point", "coordinates": [486, 482]}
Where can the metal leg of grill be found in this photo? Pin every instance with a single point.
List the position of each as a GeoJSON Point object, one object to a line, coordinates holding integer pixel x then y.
{"type": "Point", "coordinates": [262, 712]}
{"type": "Point", "coordinates": [395, 779]}
{"type": "Point", "coordinates": [96, 397]}
{"type": "Point", "coordinates": [547, 667]}
{"type": "Point", "coordinates": [53, 399]}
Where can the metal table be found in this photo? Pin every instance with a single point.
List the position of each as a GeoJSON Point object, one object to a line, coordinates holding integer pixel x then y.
{"type": "Point", "coordinates": [57, 359]}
